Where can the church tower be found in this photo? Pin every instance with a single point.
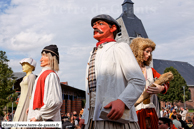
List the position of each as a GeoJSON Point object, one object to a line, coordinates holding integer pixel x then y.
{"type": "Point", "coordinates": [131, 25]}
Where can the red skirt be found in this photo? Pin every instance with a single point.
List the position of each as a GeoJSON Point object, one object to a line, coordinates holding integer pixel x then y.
{"type": "Point", "coordinates": [148, 113]}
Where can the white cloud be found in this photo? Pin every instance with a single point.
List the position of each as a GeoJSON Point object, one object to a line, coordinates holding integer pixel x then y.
{"type": "Point", "coordinates": [29, 40]}
{"type": "Point", "coordinates": [27, 26]}
{"type": "Point", "coordinates": [180, 49]}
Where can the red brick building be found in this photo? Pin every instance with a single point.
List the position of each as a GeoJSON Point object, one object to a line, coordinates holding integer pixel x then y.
{"type": "Point", "coordinates": [72, 97]}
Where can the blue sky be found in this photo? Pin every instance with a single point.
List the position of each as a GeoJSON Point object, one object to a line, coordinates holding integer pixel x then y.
{"type": "Point", "coordinates": [4, 4]}
{"type": "Point", "coordinates": [27, 28]}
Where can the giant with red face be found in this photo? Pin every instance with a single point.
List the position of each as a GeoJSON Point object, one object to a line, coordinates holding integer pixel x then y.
{"type": "Point", "coordinates": [103, 30]}
{"type": "Point", "coordinates": [104, 27]}
{"type": "Point", "coordinates": [109, 86]}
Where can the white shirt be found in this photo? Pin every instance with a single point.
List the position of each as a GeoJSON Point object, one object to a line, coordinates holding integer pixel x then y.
{"type": "Point", "coordinates": [162, 113]}
{"type": "Point", "coordinates": [52, 99]}
{"type": "Point", "coordinates": [118, 76]}
{"type": "Point", "coordinates": [176, 123]}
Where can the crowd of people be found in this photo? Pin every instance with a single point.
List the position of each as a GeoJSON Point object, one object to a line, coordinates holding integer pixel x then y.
{"type": "Point", "coordinates": [71, 120]}
{"type": "Point", "coordinates": [174, 117]}
{"type": "Point", "coordinates": [8, 116]}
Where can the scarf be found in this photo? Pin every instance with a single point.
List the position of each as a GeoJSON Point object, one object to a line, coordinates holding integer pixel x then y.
{"type": "Point", "coordinates": [39, 91]}
{"type": "Point", "coordinates": [105, 40]}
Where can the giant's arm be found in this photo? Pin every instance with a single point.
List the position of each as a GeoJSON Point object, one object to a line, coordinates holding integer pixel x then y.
{"type": "Point", "coordinates": [132, 73]}
{"type": "Point", "coordinates": [157, 75]}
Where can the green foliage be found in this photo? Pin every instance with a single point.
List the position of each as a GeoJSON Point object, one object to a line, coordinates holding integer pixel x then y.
{"type": "Point", "coordinates": [9, 106]}
{"type": "Point", "coordinates": [6, 80]}
{"type": "Point", "coordinates": [175, 92]}
{"type": "Point", "coordinates": [83, 103]}
{"type": "Point", "coordinates": [12, 97]}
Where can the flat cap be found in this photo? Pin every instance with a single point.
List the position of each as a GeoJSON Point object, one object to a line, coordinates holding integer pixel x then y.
{"type": "Point", "coordinates": [106, 18]}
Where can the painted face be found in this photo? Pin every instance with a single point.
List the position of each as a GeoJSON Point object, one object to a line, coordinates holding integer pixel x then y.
{"type": "Point", "coordinates": [26, 67]}
{"type": "Point", "coordinates": [102, 30]}
{"type": "Point", "coordinates": [44, 60]}
{"type": "Point", "coordinates": [161, 125]}
{"type": "Point", "coordinates": [147, 53]}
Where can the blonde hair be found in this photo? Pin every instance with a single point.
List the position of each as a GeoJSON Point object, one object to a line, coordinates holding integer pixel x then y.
{"type": "Point", "coordinates": [53, 61]}
{"type": "Point", "coordinates": [33, 68]}
{"type": "Point", "coordinates": [138, 45]}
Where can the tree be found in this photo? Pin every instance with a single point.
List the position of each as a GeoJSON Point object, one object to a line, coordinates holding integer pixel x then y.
{"type": "Point", "coordinates": [6, 81]}
{"type": "Point", "coordinates": [175, 92]}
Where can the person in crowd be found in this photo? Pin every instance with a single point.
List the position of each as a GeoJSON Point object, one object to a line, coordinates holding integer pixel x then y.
{"type": "Point", "coordinates": [66, 124]}
{"type": "Point", "coordinates": [171, 107]}
{"type": "Point", "coordinates": [179, 118]}
{"type": "Point", "coordinates": [189, 123]}
{"type": "Point", "coordinates": [167, 113]}
{"type": "Point", "coordinates": [72, 120]}
{"type": "Point", "coordinates": [175, 107]}
{"type": "Point", "coordinates": [142, 49]}
{"type": "Point", "coordinates": [193, 119]}
{"type": "Point", "coordinates": [75, 118]}
{"type": "Point", "coordinates": [176, 123]}
{"type": "Point", "coordinates": [183, 113]}
{"type": "Point", "coordinates": [173, 113]}
{"type": "Point", "coordinates": [162, 112]}
{"type": "Point", "coordinates": [113, 76]}
{"type": "Point", "coordinates": [7, 116]}
{"type": "Point", "coordinates": [68, 115]}
{"type": "Point", "coordinates": [172, 126]}
{"type": "Point", "coordinates": [81, 113]}
{"type": "Point", "coordinates": [164, 123]}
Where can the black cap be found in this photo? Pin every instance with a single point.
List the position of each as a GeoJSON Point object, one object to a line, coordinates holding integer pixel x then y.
{"type": "Point", "coordinates": [106, 18]}
{"type": "Point", "coordinates": [53, 50]}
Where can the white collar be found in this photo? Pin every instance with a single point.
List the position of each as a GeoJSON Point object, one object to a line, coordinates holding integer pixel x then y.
{"type": "Point", "coordinates": [46, 68]}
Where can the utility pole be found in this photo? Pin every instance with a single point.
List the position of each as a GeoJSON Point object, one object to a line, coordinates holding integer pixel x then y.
{"type": "Point", "coordinates": [184, 96]}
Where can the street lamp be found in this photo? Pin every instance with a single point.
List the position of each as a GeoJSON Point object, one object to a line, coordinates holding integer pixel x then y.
{"type": "Point", "coordinates": [184, 96]}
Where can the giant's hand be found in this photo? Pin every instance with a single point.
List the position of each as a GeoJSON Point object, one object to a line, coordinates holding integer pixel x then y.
{"type": "Point", "coordinates": [27, 111]}
{"type": "Point", "coordinates": [118, 107]}
{"type": "Point", "coordinates": [155, 90]}
{"type": "Point", "coordinates": [33, 119]}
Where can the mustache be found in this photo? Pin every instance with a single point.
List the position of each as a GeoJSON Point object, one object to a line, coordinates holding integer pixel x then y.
{"type": "Point", "coordinates": [98, 31]}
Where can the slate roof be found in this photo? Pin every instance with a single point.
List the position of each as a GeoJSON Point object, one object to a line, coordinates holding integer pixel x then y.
{"type": "Point", "coordinates": [185, 69]}
{"type": "Point", "coordinates": [133, 24]}
{"type": "Point", "coordinates": [69, 90]}
{"type": "Point", "coordinates": [19, 75]}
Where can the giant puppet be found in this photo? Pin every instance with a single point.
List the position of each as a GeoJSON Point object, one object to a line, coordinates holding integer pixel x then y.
{"type": "Point", "coordinates": [142, 49]}
{"type": "Point", "coordinates": [112, 73]}
{"type": "Point", "coordinates": [28, 65]}
{"type": "Point", "coordinates": [46, 97]}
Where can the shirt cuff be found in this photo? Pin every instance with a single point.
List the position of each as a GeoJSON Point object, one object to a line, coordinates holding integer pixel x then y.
{"type": "Point", "coordinates": [38, 116]}
{"type": "Point", "coordinates": [165, 89]}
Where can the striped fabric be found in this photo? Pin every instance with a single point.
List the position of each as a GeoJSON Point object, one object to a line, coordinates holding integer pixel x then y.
{"type": "Point", "coordinates": [91, 72]}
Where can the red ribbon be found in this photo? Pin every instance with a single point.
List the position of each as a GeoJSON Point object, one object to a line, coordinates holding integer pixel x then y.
{"type": "Point", "coordinates": [105, 40]}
